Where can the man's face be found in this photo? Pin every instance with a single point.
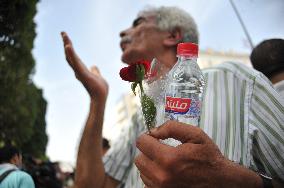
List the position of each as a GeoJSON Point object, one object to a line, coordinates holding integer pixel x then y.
{"type": "Point", "coordinates": [142, 40]}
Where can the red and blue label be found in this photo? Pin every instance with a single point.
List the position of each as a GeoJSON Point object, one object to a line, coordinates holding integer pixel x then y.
{"type": "Point", "coordinates": [177, 105]}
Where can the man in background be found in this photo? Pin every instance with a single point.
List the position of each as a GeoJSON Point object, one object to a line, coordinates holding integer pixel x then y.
{"type": "Point", "coordinates": [11, 175]}
{"type": "Point", "coordinates": [268, 58]}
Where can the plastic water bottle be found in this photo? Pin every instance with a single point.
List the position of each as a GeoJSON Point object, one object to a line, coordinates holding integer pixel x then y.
{"type": "Point", "coordinates": [185, 87]}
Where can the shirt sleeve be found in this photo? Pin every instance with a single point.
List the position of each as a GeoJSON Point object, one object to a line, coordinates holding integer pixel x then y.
{"type": "Point", "coordinates": [266, 120]}
{"type": "Point", "coordinates": [119, 159]}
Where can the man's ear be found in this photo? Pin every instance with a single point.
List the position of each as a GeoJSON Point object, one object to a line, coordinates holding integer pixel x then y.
{"type": "Point", "coordinates": [173, 37]}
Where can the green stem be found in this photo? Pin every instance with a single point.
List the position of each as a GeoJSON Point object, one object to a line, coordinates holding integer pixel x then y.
{"type": "Point", "coordinates": [141, 87]}
{"type": "Point", "coordinates": [148, 128]}
{"type": "Point", "coordinates": [142, 98]}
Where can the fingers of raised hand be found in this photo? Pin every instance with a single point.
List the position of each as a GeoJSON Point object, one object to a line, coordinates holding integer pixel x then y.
{"type": "Point", "coordinates": [68, 48]}
{"type": "Point", "coordinates": [72, 58]}
{"type": "Point", "coordinates": [66, 39]}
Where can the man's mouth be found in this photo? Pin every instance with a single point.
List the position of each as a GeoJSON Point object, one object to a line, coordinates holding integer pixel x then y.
{"type": "Point", "coordinates": [124, 42]}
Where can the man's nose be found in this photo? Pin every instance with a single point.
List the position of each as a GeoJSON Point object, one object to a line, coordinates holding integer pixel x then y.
{"type": "Point", "coordinates": [123, 33]}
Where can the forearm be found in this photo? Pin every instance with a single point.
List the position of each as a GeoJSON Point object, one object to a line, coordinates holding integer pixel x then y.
{"type": "Point", "coordinates": [90, 170]}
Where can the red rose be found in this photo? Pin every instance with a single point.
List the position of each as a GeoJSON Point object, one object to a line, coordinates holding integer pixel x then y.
{"type": "Point", "coordinates": [127, 75]}
{"type": "Point", "coordinates": [130, 73]}
{"type": "Point", "coordinates": [135, 73]}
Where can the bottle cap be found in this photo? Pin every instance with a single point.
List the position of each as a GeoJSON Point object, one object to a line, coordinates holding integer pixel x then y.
{"type": "Point", "coordinates": [188, 49]}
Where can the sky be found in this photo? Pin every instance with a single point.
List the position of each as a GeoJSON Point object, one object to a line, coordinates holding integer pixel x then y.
{"type": "Point", "coordinates": [94, 28]}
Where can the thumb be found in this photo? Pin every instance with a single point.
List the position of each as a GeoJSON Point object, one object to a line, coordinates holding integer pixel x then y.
{"type": "Point", "coordinates": [180, 131]}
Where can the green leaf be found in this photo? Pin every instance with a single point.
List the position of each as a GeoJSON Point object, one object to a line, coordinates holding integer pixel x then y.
{"type": "Point", "coordinates": [133, 86]}
{"type": "Point", "coordinates": [149, 111]}
{"type": "Point", "coordinates": [140, 72]}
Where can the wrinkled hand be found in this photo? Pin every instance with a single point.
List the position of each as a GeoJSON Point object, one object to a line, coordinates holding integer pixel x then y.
{"type": "Point", "coordinates": [92, 80]}
{"type": "Point", "coordinates": [197, 162]}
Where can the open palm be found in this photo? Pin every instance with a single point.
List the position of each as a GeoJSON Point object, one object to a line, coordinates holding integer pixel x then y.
{"type": "Point", "coordinates": [92, 80]}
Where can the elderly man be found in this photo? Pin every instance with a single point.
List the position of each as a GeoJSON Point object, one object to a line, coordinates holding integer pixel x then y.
{"type": "Point", "coordinates": [234, 140]}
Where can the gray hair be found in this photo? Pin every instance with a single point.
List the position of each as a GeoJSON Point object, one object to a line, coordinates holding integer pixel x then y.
{"type": "Point", "coordinates": [171, 18]}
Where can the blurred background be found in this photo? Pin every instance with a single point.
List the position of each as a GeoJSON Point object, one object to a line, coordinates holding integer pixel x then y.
{"type": "Point", "coordinates": [43, 107]}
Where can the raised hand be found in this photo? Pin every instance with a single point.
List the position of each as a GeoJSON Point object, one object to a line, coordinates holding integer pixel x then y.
{"type": "Point", "coordinates": [92, 80]}
{"type": "Point", "coordinates": [197, 162]}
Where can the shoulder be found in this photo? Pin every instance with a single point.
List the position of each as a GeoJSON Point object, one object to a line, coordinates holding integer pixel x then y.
{"type": "Point", "coordinates": [24, 179]}
{"type": "Point", "coordinates": [22, 174]}
{"type": "Point", "coordinates": [237, 68]}
{"type": "Point", "coordinates": [240, 71]}
{"type": "Point", "coordinates": [19, 179]}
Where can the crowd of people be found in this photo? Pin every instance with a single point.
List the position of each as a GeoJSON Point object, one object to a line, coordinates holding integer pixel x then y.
{"type": "Point", "coordinates": [240, 140]}
{"type": "Point", "coordinates": [19, 170]}
{"type": "Point", "coordinates": [25, 171]}
{"type": "Point", "coordinates": [33, 172]}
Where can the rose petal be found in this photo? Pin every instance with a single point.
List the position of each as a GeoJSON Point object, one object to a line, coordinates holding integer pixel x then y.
{"type": "Point", "coordinates": [146, 65]}
{"type": "Point", "coordinates": [132, 73]}
{"type": "Point", "coordinates": [127, 74]}
{"type": "Point", "coordinates": [123, 73]}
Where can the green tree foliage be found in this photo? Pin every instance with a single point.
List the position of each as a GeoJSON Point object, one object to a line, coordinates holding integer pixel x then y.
{"type": "Point", "coordinates": [22, 106]}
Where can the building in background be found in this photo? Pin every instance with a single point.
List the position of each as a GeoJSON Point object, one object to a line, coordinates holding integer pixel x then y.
{"type": "Point", "coordinates": [128, 103]}
{"type": "Point", "coordinates": [125, 108]}
{"type": "Point", "coordinates": [208, 58]}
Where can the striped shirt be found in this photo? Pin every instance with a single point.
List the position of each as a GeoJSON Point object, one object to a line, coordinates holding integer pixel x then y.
{"type": "Point", "coordinates": [242, 113]}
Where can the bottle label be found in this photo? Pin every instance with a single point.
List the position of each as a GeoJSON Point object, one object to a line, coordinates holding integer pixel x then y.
{"type": "Point", "coordinates": [178, 105]}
